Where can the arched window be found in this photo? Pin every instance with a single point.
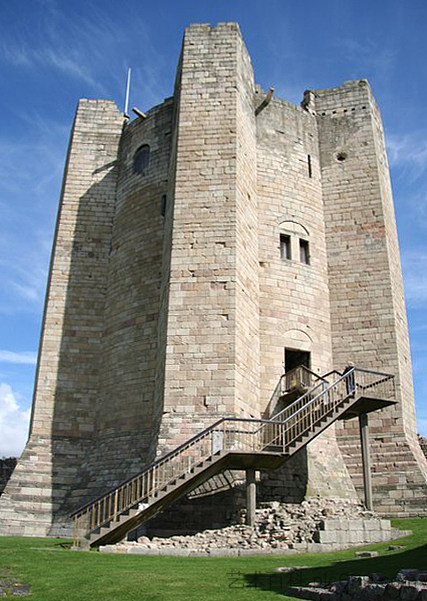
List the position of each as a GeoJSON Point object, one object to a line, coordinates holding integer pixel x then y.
{"type": "Point", "coordinates": [294, 241]}
{"type": "Point", "coordinates": [141, 159]}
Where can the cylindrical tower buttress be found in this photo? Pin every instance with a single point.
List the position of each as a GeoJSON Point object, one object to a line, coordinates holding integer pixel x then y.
{"type": "Point", "coordinates": [293, 276]}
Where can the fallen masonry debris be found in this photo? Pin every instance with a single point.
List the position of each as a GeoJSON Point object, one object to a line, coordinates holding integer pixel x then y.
{"type": "Point", "coordinates": [314, 525]}
{"type": "Point", "coordinates": [409, 585]}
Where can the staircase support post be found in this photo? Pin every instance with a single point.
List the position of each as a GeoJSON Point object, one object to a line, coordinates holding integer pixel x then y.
{"type": "Point", "coordinates": [250, 497]}
{"type": "Point", "coordinates": [366, 459]}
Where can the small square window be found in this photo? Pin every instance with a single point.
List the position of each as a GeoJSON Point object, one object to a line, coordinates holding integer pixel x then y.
{"type": "Point", "coordinates": [304, 254]}
{"type": "Point", "coordinates": [285, 246]}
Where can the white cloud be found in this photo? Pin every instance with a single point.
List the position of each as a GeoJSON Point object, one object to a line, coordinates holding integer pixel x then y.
{"type": "Point", "coordinates": [415, 277]}
{"type": "Point", "coordinates": [25, 357]}
{"type": "Point", "coordinates": [24, 275]}
{"type": "Point", "coordinates": [408, 152]}
{"type": "Point", "coordinates": [95, 50]}
{"type": "Point", "coordinates": [70, 61]}
{"type": "Point", "coordinates": [14, 423]}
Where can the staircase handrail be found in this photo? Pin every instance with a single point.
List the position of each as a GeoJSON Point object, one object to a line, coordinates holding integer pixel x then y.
{"type": "Point", "coordinates": [312, 400]}
{"type": "Point", "coordinates": [345, 376]}
{"type": "Point", "coordinates": [188, 443]}
{"type": "Point", "coordinates": [278, 390]}
{"type": "Point", "coordinates": [298, 400]}
{"type": "Point", "coordinates": [177, 450]}
{"type": "Point", "coordinates": [174, 452]}
{"type": "Point", "coordinates": [278, 436]}
{"type": "Point", "coordinates": [310, 371]}
{"type": "Point", "coordinates": [153, 464]}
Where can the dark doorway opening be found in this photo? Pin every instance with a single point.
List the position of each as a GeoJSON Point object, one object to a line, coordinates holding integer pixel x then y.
{"type": "Point", "coordinates": [295, 358]}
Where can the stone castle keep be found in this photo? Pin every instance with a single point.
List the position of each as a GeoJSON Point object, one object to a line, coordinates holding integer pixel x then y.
{"type": "Point", "coordinates": [201, 251]}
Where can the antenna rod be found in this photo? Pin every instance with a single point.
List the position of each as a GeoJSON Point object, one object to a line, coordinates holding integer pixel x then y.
{"type": "Point", "coordinates": [127, 94]}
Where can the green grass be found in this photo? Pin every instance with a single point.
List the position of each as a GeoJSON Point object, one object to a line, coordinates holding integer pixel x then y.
{"type": "Point", "coordinates": [59, 574]}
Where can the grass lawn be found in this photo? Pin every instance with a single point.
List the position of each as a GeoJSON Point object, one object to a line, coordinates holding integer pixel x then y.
{"type": "Point", "coordinates": [55, 573]}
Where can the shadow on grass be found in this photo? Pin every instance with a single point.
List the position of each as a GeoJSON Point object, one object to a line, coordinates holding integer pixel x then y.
{"type": "Point", "coordinates": [388, 564]}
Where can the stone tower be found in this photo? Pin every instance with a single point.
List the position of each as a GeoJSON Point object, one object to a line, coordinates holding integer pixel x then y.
{"type": "Point", "coordinates": [197, 250]}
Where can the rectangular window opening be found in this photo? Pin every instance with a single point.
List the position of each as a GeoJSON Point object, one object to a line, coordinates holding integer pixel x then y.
{"type": "Point", "coordinates": [304, 254]}
{"type": "Point", "coordinates": [310, 173]}
{"type": "Point", "coordinates": [285, 246]}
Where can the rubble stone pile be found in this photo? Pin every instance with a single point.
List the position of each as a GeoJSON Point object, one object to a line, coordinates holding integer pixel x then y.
{"type": "Point", "coordinates": [276, 525]}
{"type": "Point", "coordinates": [409, 585]}
{"type": "Point", "coordinates": [279, 527]}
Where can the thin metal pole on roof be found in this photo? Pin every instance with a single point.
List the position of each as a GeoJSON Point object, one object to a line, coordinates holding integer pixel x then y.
{"type": "Point", "coordinates": [127, 94]}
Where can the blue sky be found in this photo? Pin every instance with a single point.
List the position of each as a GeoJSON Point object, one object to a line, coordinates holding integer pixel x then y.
{"type": "Point", "coordinates": [52, 52]}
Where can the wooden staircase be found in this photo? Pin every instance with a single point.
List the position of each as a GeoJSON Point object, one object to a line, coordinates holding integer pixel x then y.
{"type": "Point", "coordinates": [230, 444]}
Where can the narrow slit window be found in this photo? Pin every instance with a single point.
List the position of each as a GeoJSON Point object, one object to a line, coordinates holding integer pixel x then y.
{"type": "Point", "coordinates": [141, 159]}
{"type": "Point", "coordinates": [163, 205]}
{"type": "Point", "coordinates": [310, 172]}
{"type": "Point", "coordinates": [304, 254]}
{"type": "Point", "coordinates": [285, 246]}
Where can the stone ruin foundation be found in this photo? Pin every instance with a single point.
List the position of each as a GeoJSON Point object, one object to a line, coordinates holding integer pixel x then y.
{"type": "Point", "coordinates": [409, 585]}
{"type": "Point", "coordinates": [313, 525]}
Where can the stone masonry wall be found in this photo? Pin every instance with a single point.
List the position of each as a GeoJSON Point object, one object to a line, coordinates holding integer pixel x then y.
{"type": "Point", "coordinates": [294, 296]}
{"type": "Point", "coordinates": [125, 427]}
{"type": "Point", "coordinates": [210, 309]}
{"type": "Point", "coordinates": [63, 420]}
{"type": "Point", "coordinates": [367, 308]}
{"type": "Point", "coordinates": [247, 395]}
{"type": "Point", "coordinates": [155, 326]}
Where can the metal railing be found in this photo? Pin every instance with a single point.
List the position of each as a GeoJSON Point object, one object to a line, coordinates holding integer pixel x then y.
{"type": "Point", "coordinates": [233, 434]}
{"type": "Point", "coordinates": [300, 377]}
{"type": "Point", "coordinates": [374, 384]}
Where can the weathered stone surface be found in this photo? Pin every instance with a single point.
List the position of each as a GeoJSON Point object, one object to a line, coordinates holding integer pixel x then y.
{"type": "Point", "coordinates": [339, 587]}
{"type": "Point", "coordinates": [224, 552]}
{"type": "Point", "coordinates": [356, 583]}
{"type": "Point", "coordinates": [409, 592]}
{"type": "Point", "coordinates": [158, 324]}
{"type": "Point", "coordinates": [142, 551]}
{"type": "Point", "coordinates": [407, 574]}
{"type": "Point", "coordinates": [392, 590]}
{"type": "Point", "coordinates": [281, 527]}
{"type": "Point", "coordinates": [362, 588]}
